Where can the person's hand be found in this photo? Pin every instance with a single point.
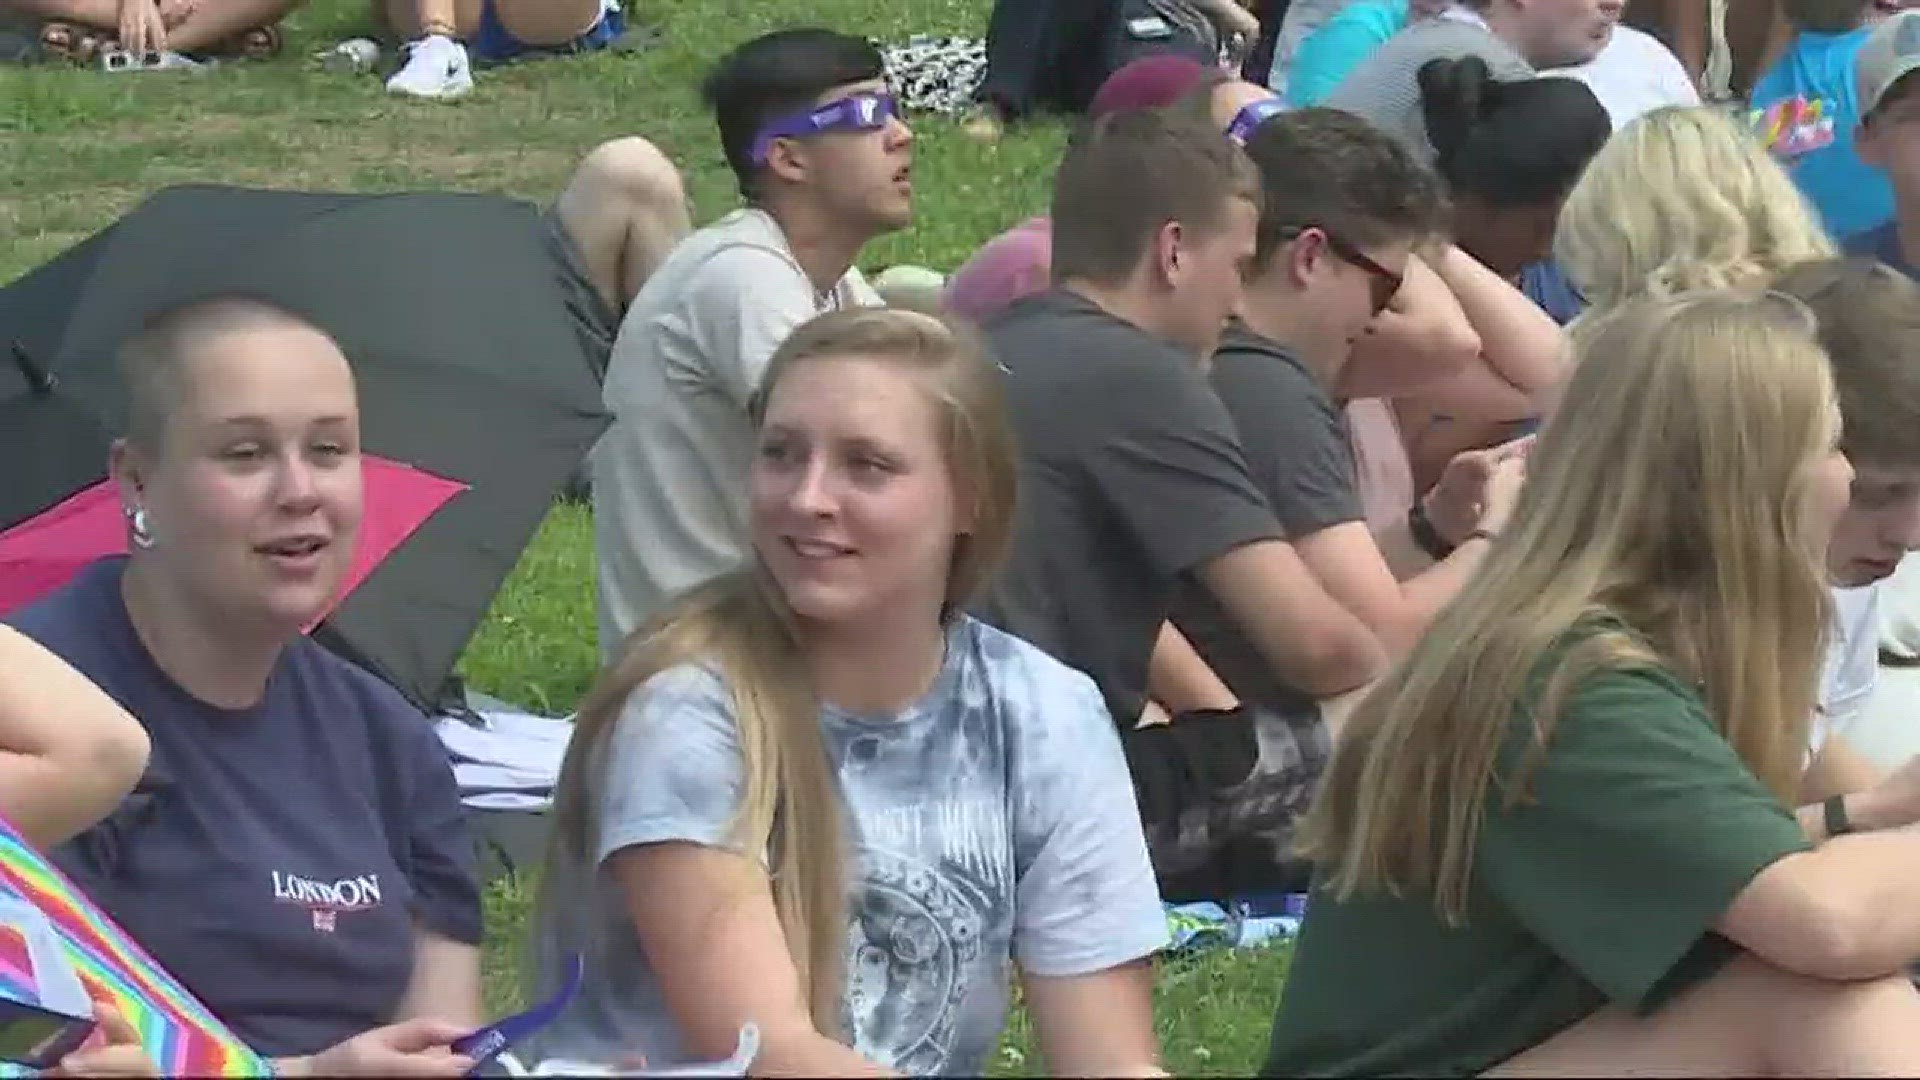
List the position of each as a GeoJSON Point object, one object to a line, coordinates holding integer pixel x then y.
{"type": "Point", "coordinates": [114, 1049]}
{"type": "Point", "coordinates": [410, 1048]}
{"type": "Point", "coordinates": [1478, 489]}
{"type": "Point", "coordinates": [1503, 491]}
{"type": "Point", "coordinates": [1234, 19]}
{"type": "Point", "coordinates": [142, 30]}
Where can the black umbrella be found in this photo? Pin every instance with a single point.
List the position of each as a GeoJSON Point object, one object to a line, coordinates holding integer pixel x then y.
{"type": "Point", "coordinates": [450, 309]}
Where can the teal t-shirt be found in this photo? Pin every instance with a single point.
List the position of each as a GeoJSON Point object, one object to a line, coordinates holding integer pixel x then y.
{"type": "Point", "coordinates": [1807, 110]}
{"type": "Point", "coordinates": [1330, 53]}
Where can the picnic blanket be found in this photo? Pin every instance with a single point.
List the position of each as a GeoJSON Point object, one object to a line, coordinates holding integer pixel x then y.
{"type": "Point", "coordinates": [180, 1034]}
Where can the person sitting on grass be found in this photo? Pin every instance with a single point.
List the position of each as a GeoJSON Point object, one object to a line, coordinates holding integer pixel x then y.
{"type": "Point", "coordinates": [1134, 483]}
{"type": "Point", "coordinates": [444, 37]}
{"type": "Point", "coordinates": [1508, 152]}
{"type": "Point", "coordinates": [1449, 314]}
{"type": "Point", "coordinates": [814, 795]}
{"type": "Point", "coordinates": [1344, 208]}
{"type": "Point", "coordinates": [1869, 318]}
{"type": "Point", "coordinates": [83, 30]}
{"type": "Point", "coordinates": [1889, 139]}
{"type": "Point", "coordinates": [1808, 107]}
{"type": "Point", "coordinates": [825, 162]}
{"type": "Point", "coordinates": [296, 852]}
{"type": "Point", "coordinates": [1682, 199]}
{"type": "Point", "coordinates": [1561, 839]}
{"type": "Point", "coordinates": [1725, 214]}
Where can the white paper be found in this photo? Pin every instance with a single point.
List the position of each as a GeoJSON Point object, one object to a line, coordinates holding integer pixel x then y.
{"type": "Point", "coordinates": [744, 1052]}
{"type": "Point", "coordinates": [57, 984]}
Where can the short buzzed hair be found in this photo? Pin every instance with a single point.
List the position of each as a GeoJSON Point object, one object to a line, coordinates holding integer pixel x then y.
{"type": "Point", "coordinates": [1126, 176]}
{"type": "Point", "coordinates": [1869, 319]}
{"type": "Point", "coordinates": [150, 359]}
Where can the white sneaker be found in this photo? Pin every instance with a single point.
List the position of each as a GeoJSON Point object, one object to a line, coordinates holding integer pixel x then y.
{"type": "Point", "coordinates": [436, 68]}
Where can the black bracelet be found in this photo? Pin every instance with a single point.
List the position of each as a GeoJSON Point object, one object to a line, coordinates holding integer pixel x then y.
{"type": "Point", "coordinates": [1425, 535]}
{"type": "Point", "coordinates": [1838, 823]}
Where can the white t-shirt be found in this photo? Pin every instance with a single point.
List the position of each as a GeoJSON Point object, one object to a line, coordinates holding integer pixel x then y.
{"type": "Point", "coordinates": [1634, 75]}
{"type": "Point", "coordinates": [1852, 666]}
{"type": "Point", "coordinates": [1889, 731]}
{"type": "Point", "coordinates": [670, 475]}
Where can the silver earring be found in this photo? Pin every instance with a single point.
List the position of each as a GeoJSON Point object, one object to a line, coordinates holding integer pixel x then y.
{"type": "Point", "coordinates": [142, 532]}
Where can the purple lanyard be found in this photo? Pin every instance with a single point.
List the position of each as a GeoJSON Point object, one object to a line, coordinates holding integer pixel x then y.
{"type": "Point", "coordinates": [491, 1041]}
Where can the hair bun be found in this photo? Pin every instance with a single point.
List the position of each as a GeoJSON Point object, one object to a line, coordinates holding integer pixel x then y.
{"type": "Point", "coordinates": [1454, 95]}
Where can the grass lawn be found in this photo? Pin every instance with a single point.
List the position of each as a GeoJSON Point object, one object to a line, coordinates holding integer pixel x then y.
{"type": "Point", "coordinates": [79, 148]}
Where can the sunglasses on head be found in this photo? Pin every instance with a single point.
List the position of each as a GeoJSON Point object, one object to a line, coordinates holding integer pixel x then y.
{"type": "Point", "coordinates": [855, 112]}
{"type": "Point", "coordinates": [1251, 116]}
{"type": "Point", "coordinates": [1383, 284]}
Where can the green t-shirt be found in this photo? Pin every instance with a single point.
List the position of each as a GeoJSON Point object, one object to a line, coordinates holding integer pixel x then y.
{"type": "Point", "coordinates": [1643, 827]}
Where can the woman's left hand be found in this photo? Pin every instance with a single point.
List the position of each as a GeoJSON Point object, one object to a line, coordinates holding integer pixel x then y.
{"type": "Point", "coordinates": [117, 1051]}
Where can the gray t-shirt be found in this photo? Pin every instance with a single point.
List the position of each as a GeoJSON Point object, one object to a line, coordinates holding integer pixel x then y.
{"type": "Point", "coordinates": [670, 475]}
{"type": "Point", "coordinates": [1130, 479]}
{"type": "Point", "coordinates": [992, 821]}
{"type": "Point", "coordinates": [1298, 450]}
{"type": "Point", "coordinates": [1385, 88]}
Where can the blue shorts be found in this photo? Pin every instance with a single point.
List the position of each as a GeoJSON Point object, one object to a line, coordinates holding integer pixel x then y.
{"type": "Point", "coordinates": [493, 43]}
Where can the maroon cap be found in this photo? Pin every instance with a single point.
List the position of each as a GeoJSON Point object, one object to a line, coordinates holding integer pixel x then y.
{"type": "Point", "coordinates": [1151, 82]}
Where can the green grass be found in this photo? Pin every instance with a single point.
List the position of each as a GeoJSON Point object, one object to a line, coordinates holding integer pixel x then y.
{"type": "Point", "coordinates": [78, 148]}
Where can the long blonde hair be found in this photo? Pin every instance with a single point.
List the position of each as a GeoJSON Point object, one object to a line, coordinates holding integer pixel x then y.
{"type": "Point", "coordinates": [1678, 200]}
{"type": "Point", "coordinates": [740, 625]}
{"type": "Point", "coordinates": [1674, 502]}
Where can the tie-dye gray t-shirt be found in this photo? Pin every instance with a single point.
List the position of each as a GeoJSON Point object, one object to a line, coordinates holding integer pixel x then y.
{"type": "Point", "coordinates": [992, 821]}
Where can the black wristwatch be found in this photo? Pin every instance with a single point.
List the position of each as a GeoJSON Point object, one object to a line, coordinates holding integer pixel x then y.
{"type": "Point", "coordinates": [1425, 535]}
{"type": "Point", "coordinates": [1838, 823]}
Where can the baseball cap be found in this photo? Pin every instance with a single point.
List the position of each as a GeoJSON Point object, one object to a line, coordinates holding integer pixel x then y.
{"type": "Point", "coordinates": [1888, 55]}
{"type": "Point", "coordinates": [1151, 82]}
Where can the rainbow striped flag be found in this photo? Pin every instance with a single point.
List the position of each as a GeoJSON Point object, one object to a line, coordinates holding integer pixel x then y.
{"type": "Point", "coordinates": [181, 1036]}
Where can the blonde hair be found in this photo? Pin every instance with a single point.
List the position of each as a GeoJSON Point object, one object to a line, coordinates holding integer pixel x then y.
{"type": "Point", "coordinates": [740, 624]}
{"type": "Point", "coordinates": [1678, 200]}
{"type": "Point", "coordinates": [1669, 511]}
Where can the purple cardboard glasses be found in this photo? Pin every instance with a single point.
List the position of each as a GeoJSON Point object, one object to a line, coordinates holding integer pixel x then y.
{"type": "Point", "coordinates": [1251, 116]}
{"type": "Point", "coordinates": [488, 1043]}
{"type": "Point", "coordinates": [855, 112]}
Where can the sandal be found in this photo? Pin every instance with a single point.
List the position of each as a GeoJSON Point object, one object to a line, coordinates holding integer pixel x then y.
{"type": "Point", "coordinates": [77, 44]}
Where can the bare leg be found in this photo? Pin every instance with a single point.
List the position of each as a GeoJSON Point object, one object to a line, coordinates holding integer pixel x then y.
{"type": "Point", "coordinates": [547, 22]}
{"type": "Point", "coordinates": [413, 19]}
{"type": "Point", "coordinates": [101, 14]}
{"type": "Point", "coordinates": [1751, 1019]}
{"type": "Point", "coordinates": [625, 208]}
{"type": "Point", "coordinates": [215, 21]}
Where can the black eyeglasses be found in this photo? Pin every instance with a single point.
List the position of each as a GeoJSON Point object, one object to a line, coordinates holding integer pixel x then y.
{"type": "Point", "coordinates": [1383, 283]}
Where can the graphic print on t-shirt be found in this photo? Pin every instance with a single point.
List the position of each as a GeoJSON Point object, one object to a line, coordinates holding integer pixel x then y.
{"type": "Point", "coordinates": [1794, 127]}
{"type": "Point", "coordinates": [328, 900]}
{"type": "Point", "coordinates": [916, 926]}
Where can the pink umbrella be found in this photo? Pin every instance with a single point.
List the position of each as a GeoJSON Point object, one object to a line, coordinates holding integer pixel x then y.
{"type": "Point", "coordinates": [44, 552]}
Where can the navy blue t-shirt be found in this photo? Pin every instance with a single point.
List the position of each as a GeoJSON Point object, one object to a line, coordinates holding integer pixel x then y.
{"type": "Point", "coordinates": [277, 858]}
{"type": "Point", "coordinates": [1881, 242]}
